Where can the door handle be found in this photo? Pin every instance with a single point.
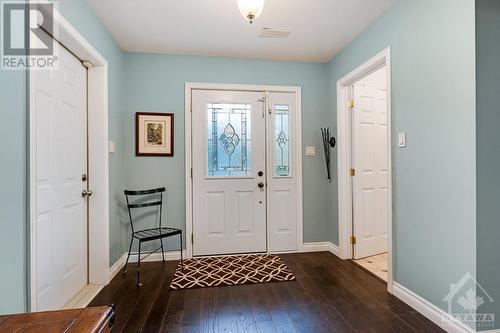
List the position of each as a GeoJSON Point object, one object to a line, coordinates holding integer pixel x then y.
{"type": "Point", "coordinates": [86, 193]}
{"type": "Point", "coordinates": [260, 185]}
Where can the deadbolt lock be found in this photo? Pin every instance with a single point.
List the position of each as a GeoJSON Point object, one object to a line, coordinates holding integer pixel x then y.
{"type": "Point", "coordinates": [84, 177]}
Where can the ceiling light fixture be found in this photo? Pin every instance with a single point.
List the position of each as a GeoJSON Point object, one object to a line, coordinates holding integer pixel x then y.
{"type": "Point", "coordinates": [250, 9]}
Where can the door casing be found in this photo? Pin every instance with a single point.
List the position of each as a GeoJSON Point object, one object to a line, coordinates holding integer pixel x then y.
{"type": "Point", "coordinates": [189, 87]}
{"type": "Point", "coordinates": [345, 202]}
{"type": "Point", "coordinates": [98, 165]}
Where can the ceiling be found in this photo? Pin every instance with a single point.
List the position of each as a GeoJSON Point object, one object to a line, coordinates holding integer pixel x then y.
{"type": "Point", "coordinates": [319, 28]}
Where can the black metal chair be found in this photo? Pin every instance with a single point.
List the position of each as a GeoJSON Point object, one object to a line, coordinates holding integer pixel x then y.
{"type": "Point", "coordinates": [147, 235]}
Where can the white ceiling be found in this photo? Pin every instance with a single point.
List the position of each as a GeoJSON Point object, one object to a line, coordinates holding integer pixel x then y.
{"type": "Point", "coordinates": [319, 28]}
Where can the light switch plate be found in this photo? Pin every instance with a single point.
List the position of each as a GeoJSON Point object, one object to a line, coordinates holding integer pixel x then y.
{"type": "Point", "coordinates": [111, 147]}
{"type": "Point", "coordinates": [310, 151]}
{"type": "Point", "coordinates": [402, 140]}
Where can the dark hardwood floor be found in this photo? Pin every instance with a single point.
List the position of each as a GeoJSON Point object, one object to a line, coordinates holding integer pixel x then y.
{"type": "Point", "coordinates": [329, 295]}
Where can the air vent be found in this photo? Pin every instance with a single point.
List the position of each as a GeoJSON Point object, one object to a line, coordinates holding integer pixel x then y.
{"type": "Point", "coordinates": [273, 33]}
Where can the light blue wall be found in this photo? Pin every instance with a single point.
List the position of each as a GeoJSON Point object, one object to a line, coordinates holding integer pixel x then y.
{"type": "Point", "coordinates": [13, 219]}
{"type": "Point", "coordinates": [488, 148]}
{"type": "Point", "coordinates": [433, 101]}
{"type": "Point", "coordinates": [12, 190]}
{"type": "Point", "coordinates": [156, 83]}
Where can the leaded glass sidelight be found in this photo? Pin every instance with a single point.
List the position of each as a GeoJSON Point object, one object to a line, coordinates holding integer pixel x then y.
{"type": "Point", "coordinates": [281, 140]}
{"type": "Point", "coordinates": [229, 139]}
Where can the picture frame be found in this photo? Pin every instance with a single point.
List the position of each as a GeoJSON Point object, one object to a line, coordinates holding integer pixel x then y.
{"type": "Point", "coordinates": [154, 134]}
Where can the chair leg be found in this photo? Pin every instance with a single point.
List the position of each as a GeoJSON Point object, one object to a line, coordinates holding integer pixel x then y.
{"type": "Point", "coordinates": [128, 256]}
{"type": "Point", "coordinates": [139, 284]}
{"type": "Point", "coordinates": [180, 241]}
{"type": "Point", "coordinates": [162, 251]}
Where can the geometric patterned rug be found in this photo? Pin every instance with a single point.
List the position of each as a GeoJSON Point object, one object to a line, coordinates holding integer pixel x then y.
{"type": "Point", "coordinates": [230, 271]}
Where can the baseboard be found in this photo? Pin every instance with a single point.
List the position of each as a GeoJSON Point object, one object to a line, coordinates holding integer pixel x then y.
{"type": "Point", "coordinates": [429, 310]}
{"type": "Point", "coordinates": [83, 297]}
{"type": "Point", "coordinates": [321, 247]}
{"type": "Point", "coordinates": [118, 265]}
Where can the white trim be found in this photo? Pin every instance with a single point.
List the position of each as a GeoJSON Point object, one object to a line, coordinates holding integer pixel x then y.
{"type": "Point", "coordinates": [84, 297]}
{"type": "Point", "coordinates": [118, 265]}
{"type": "Point", "coordinates": [429, 310]}
{"type": "Point", "coordinates": [169, 256]}
{"type": "Point", "coordinates": [344, 155]}
{"type": "Point", "coordinates": [189, 86]}
{"type": "Point", "coordinates": [98, 268]}
{"type": "Point", "coordinates": [321, 247]}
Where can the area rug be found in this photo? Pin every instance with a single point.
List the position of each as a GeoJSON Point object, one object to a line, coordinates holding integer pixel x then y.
{"type": "Point", "coordinates": [230, 271]}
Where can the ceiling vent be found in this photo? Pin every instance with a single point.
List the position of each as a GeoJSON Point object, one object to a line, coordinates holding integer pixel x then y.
{"type": "Point", "coordinates": [273, 33]}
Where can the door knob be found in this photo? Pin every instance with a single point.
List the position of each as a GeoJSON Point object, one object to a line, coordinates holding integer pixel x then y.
{"type": "Point", "coordinates": [260, 173]}
{"type": "Point", "coordinates": [86, 193]}
{"type": "Point", "coordinates": [260, 185]}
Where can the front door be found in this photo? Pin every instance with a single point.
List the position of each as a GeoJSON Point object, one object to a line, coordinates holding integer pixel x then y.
{"type": "Point", "coordinates": [229, 165]}
{"type": "Point", "coordinates": [59, 120]}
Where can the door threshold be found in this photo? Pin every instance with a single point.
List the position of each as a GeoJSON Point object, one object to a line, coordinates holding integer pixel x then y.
{"type": "Point", "coordinates": [83, 297]}
{"type": "Point", "coordinates": [375, 265]}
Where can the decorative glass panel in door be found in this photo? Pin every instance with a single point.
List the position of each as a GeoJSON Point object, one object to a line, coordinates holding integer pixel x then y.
{"type": "Point", "coordinates": [281, 140]}
{"type": "Point", "coordinates": [229, 139]}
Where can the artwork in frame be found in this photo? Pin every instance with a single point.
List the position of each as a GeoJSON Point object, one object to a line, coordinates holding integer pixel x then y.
{"type": "Point", "coordinates": [154, 134]}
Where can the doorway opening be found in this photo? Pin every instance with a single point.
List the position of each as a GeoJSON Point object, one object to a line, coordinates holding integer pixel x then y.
{"type": "Point", "coordinates": [365, 186]}
{"type": "Point", "coordinates": [243, 148]}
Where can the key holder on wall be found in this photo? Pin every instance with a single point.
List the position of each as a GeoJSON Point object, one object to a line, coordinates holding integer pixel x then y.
{"type": "Point", "coordinates": [328, 143]}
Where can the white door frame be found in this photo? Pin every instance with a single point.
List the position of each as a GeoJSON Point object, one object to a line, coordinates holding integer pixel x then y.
{"type": "Point", "coordinates": [189, 87]}
{"type": "Point", "coordinates": [98, 159]}
{"type": "Point", "coordinates": [344, 155]}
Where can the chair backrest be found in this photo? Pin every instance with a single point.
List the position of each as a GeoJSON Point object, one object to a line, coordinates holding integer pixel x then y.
{"type": "Point", "coordinates": [152, 202]}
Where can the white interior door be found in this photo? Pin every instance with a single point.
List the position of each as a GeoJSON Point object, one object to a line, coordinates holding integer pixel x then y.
{"type": "Point", "coordinates": [282, 176]}
{"type": "Point", "coordinates": [228, 160]}
{"type": "Point", "coordinates": [370, 201]}
{"type": "Point", "coordinates": [60, 159]}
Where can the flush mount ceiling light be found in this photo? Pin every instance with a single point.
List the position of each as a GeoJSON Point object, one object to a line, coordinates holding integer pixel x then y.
{"type": "Point", "coordinates": [250, 9]}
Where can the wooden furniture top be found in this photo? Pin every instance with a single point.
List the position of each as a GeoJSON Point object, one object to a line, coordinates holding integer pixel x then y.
{"type": "Point", "coordinates": [89, 320]}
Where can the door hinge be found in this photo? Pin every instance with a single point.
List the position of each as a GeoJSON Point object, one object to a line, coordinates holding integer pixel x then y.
{"type": "Point", "coordinates": [352, 240]}
{"type": "Point", "coordinates": [87, 64]}
{"type": "Point", "coordinates": [191, 172]}
{"type": "Point", "coordinates": [191, 107]}
{"type": "Point", "coordinates": [353, 172]}
{"type": "Point", "coordinates": [351, 104]}
{"type": "Point", "coordinates": [192, 238]}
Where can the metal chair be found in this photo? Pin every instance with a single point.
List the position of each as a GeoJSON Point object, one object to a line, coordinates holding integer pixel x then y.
{"type": "Point", "coordinates": [147, 235]}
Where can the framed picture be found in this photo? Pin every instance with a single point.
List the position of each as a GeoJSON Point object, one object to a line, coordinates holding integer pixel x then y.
{"type": "Point", "coordinates": [154, 134]}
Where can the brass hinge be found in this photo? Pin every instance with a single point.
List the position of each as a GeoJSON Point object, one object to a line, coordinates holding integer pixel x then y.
{"type": "Point", "coordinates": [351, 104]}
{"type": "Point", "coordinates": [352, 240]}
{"type": "Point", "coordinates": [353, 172]}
